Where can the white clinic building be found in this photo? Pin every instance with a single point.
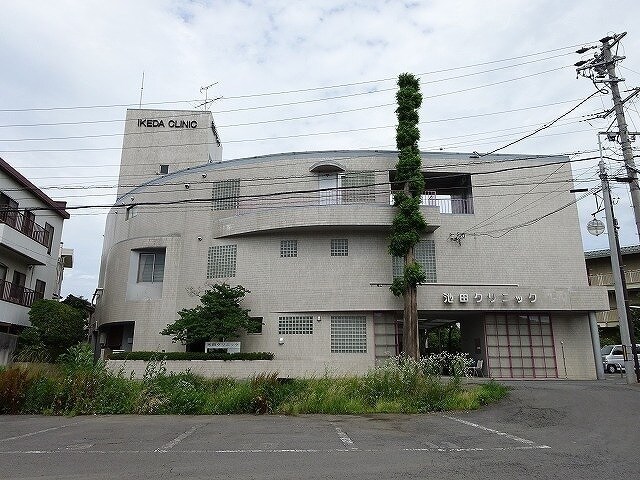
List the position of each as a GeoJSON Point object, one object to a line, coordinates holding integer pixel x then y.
{"type": "Point", "coordinates": [307, 234]}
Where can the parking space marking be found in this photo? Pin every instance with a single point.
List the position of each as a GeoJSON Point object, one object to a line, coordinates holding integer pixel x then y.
{"type": "Point", "coordinates": [344, 438]}
{"type": "Point", "coordinates": [178, 439]}
{"type": "Point", "coordinates": [31, 434]}
{"type": "Point", "coordinates": [496, 432]}
{"type": "Point", "coordinates": [267, 451]}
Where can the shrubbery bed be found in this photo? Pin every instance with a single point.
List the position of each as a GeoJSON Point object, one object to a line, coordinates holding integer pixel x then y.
{"type": "Point", "coordinates": [78, 386]}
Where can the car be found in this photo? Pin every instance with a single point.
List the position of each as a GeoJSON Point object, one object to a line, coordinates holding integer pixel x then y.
{"type": "Point", "coordinates": [613, 358]}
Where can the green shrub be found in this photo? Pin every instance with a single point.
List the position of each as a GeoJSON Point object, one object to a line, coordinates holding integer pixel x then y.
{"type": "Point", "coordinates": [147, 356]}
{"type": "Point", "coordinates": [78, 385]}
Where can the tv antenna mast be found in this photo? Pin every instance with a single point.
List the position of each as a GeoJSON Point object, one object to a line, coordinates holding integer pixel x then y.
{"type": "Point", "coordinates": [205, 90]}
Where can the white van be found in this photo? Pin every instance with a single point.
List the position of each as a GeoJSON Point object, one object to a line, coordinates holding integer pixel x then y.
{"type": "Point", "coordinates": [613, 359]}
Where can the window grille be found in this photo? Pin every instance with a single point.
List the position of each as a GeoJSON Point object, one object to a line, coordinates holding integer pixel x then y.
{"type": "Point", "coordinates": [357, 187]}
{"type": "Point", "coordinates": [288, 248]}
{"type": "Point", "coordinates": [221, 261]}
{"type": "Point", "coordinates": [151, 266]}
{"type": "Point", "coordinates": [295, 325]}
{"type": "Point", "coordinates": [520, 346]}
{"type": "Point", "coordinates": [225, 194]}
{"type": "Point", "coordinates": [425, 254]}
{"type": "Point", "coordinates": [339, 247]}
{"type": "Point", "coordinates": [348, 334]}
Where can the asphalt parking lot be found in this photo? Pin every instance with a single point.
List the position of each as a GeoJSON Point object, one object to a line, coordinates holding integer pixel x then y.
{"type": "Point", "coordinates": [544, 429]}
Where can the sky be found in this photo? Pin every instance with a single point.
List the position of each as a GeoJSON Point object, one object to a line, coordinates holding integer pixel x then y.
{"type": "Point", "coordinates": [296, 76]}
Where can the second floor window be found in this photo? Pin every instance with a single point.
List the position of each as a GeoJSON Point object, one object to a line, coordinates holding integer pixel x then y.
{"type": "Point", "coordinates": [151, 266]}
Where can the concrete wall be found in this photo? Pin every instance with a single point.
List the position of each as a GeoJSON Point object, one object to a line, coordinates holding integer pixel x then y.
{"type": "Point", "coordinates": [572, 333]}
{"type": "Point", "coordinates": [290, 368]}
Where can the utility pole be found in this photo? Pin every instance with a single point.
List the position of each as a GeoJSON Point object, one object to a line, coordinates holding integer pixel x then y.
{"type": "Point", "coordinates": [619, 281]}
{"type": "Point", "coordinates": [602, 69]}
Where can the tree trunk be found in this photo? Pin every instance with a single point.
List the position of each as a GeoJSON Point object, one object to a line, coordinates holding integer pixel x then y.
{"type": "Point", "coordinates": [410, 327]}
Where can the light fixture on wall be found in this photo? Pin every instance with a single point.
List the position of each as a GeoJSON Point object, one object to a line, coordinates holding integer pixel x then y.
{"type": "Point", "coordinates": [281, 341]}
{"type": "Point", "coordinates": [319, 318]}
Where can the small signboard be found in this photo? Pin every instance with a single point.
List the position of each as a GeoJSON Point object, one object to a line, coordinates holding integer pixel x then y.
{"type": "Point", "coordinates": [228, 347]}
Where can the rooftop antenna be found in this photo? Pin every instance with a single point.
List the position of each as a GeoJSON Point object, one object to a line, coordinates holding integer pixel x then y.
{"type": "Point", "coordinates": [205, 90]}
{"type": "Point", "coordinates": [141, 89]}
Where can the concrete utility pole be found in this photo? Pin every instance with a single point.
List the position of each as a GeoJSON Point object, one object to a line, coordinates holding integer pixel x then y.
{"type": "Point", "coordinates": [625, 142]}
{"type": "Point", "coordinates": [602, 69]}
{"type": "Point", "coordinates": [619, 282]}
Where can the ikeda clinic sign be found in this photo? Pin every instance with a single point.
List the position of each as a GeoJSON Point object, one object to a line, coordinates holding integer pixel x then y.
{"type": "Point", "coordinates": [489, 299]}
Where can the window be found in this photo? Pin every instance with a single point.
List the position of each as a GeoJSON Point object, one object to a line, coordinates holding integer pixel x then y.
{"type": "Point", "coordinates": [339, 247]}
{"type": "Point", "coordinates": [256, 326]}
{"type": "Point", "coordinates": [225, 194]}
{"type": "Point", "coordinates": [3, 273]}
{"type": "Point", "coordinates": [8, 210]}
{"type": "Point", "coordinates": [164, 169]}
{"type": "Point", "coordinates": [151, 266]}
{"type": "Point", "coordinates": [295, 325]}
{"type": "Point", "coordinates": [17, 286]}
{"type": "Point", "coordinates": [348, 334]}
{"type": "Point", "coordinates": [520, 346]}
{"type": "Point", "coordinates": [221, 262]}
{"type": "Point", "coordinates": [288, 248]}
{"type": "Point", "coordinates": [352, 187]}
{"type": "Point", "coordinates": [425, 254]}
{"type": "Point", "coordinates": [28, 222]}
{"type": "Point", "coordinates": [48, 236]}
{"type": "Point", "coordinates": [40, 287]}
{"type": "Point", "coordinates": [357, 187]}
{"type": "Point", "coordinates": [131, 212]}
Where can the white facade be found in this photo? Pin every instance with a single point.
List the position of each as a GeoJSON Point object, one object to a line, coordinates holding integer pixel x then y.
{"type": "Point", "coordinates": [307, 234]}
{"type": "Point", "coordinates": [30, 232]}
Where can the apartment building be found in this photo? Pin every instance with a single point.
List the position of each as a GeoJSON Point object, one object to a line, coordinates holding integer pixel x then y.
{"type": "Point", "coordinates": [307, 234]}
{"type": "Point", "coordinates": [30, 255]}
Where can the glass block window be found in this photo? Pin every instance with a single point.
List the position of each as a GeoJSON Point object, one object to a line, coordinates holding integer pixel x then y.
{"type": "Point", "coordinates": [339, 247]}
{"type": "Point", "coordinates": [357, 187]}
{"type": "Point", "coordinates": [225, 194]}
{"type": "Point", "coordinates": [288, 248]}
{"type": "Point", "coordinates": [221, 261]}
{"type": "Point", "coordinates": [295, 325]}
{"type": "Point", "coordinates": [425, 253]}
{"type": "Point", "coordinates": [348, 334]}
{"type": "Point", "coordinates": [151, 266]}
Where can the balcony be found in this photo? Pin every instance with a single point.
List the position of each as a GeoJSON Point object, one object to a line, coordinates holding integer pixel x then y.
{"type": "Point", "coordinates": [632, 278]}
{"type": "Point", "coordinates": [25, 225]}
{"type": "Point", "coordinates": [18, 294]}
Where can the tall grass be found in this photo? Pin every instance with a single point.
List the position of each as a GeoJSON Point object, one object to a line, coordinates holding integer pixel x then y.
{"type": "Point", "coordinates": [79, 386]}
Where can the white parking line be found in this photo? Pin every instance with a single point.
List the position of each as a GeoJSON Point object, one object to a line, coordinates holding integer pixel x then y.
{"type": "Point", "coordinates": [31, 434]}
{"type": "Point", "coordinates": [177, 440]}
{"type": "Point", "coordinates": [268, 451]}
{"type": "Point", "coordinates": [344, 438]}
{"type": "Point", "coordinates": [491, 430]}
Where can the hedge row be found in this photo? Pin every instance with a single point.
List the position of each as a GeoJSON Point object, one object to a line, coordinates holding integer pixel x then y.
{"type": "Point", "coordinates": [148, 356]}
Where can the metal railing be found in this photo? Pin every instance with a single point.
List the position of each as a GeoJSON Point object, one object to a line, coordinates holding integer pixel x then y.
{"type": "Point", "coordinates": [18, 294]}
{"type": "Point", "coordinates": [606, 279]}
{"type": "Point", "coordinates": [26, 225]}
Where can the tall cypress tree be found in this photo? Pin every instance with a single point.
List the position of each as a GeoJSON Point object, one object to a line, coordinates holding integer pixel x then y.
{"type": "Point", "coordinates": [408, 224]}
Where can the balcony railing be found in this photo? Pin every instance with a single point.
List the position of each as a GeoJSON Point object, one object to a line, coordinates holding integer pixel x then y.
{"type": "Point", "coordinates": [18, 294]}
{"type": "Point", "coordinates": [25, 224]}
{"type": "Point", "coordinates": [606, 279]}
